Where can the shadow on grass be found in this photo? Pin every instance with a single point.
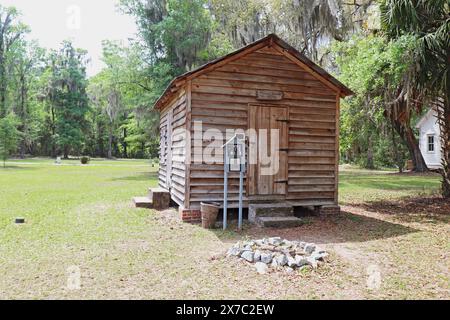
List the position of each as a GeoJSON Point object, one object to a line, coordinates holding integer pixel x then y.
{"type": "Point", "coordinates": [142, 176]}
{"type": "Point", "coordinates": [420, 209]}
{"type": "Point", "coordinates": [346, 227]}
{"type": "Point", "coordinates": [10, 167]}
{"type": "Point", "coordinates": [392, 183]}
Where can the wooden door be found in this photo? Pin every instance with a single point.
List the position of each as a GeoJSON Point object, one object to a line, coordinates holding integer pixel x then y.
{"type": "Point", "coordinates": [269, 117]}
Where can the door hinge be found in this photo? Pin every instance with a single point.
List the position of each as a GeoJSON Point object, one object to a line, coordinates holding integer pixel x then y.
{"type": "Point", "coordinates": [283, 120]}
{"type": "Point", "coordinates": [284, 150]}
{"type": "Point", "coordinates": [281, 181]}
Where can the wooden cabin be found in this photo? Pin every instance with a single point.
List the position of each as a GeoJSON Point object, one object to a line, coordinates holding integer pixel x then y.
{"type": "Point", "coordinates": [267, 84]}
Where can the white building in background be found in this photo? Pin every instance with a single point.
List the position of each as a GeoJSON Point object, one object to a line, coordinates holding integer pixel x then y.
{"type": "Point", "coordinates": [429, 139]}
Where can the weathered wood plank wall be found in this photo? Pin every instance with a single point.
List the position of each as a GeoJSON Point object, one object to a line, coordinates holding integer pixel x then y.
{"type": "Point", "coordinates": [172, 172]}
{"type": "Point", "coordinates": [221, 100]}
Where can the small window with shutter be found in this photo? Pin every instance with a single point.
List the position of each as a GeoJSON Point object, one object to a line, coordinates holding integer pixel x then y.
{"type": "Point", "coordinates": [430, 143]}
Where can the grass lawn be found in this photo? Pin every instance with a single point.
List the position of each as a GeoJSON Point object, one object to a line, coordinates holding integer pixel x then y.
{"type": "Point", "coordinates": [82, 216]}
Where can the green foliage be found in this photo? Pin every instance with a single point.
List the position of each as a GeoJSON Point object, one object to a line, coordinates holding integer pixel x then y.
{"type": "Point", "coordinates": [141, 143]}
{"type": "Point", "coordinates": [28, 61]}
{"type": "Point", "coordinates": [121, 96]}
{"type": "Point", "coordinates": [306, 24]}
{"type": "Point", "coordinates": [184, 32]}
{"type": "Point", "coordinates": [110, 115]}
{"type": "Point", "coordinates": [219, 46]}
{"type": "Point", "coordinates": [429, 77]}
{"type": "Point", "coordinates": [366, 61]}
{"type": "Point", "coordinates": [85, 160]}
{"type": "Point", "coordinates": [371, 66]}
{"type": "Point", "coordinates": [68, 97]}
{"type": "Point", "coordinates": [174, 31]}
{"type": "Point", "coordinates": [9, 137]}
{"type": "Point", "coordinates": [12, 31]}
{"type": "Point", "coordinates": [176, 37]}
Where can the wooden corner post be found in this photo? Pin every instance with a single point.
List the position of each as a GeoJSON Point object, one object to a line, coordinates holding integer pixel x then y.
{"type": "Point", "coordinates": [188, 149]}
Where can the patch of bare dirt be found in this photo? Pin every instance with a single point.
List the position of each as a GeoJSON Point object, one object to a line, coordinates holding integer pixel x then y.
{"type": "Point", "coordinates": [427, 209]}
{"type": "Point", "coordinates": [174, 260]}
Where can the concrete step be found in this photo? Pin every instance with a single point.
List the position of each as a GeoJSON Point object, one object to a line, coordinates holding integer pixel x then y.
{"type": "Point", "coordinates": [143, 202]}
{"type": "Point", "coordinates": [160, 198]}
{"type": "Point", "coordinates": [279, 222]}
{"type": "Point", "coordinates": [269, 210]}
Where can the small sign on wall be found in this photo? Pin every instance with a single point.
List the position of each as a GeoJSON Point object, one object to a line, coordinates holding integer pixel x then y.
{"type": "Point", "coordinates": [235, 154]}
{"type": "Point", "coordinates": [269, 95]}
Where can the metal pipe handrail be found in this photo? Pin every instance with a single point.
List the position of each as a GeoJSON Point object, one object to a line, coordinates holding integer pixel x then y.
{"type": "Point", "coordinates": [241, 182]}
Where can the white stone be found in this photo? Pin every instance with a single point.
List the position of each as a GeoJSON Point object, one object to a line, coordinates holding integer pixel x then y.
{"type": "Point", "coordinates": [259, 242]}
{"type": "Point", "coordinates": [301, 261]}
{"type": "Point", "coordinates": [274, 263]}
{"type": "Point", "coordinates": [312, 262]}
{"type": "Point", "coordinates": [248, 255]}
{"type": "Point", "coordinates": [310, 248]}
{"type": "Point", "coordinates": [319, 250]}
{"type": "Point", "coordinates": [275, 253]}
{"type": "Point", "coordinates": [319, 256]}
{"type": "Point", "coordinates": [291, 261]}
{"type": "Point", "coordinates": [257, 256]}
{"type": "Point", "coordinates": [234, 252]}
{"type": "Point", "coordinates": [282, 260]}
{"type": "Point", "coordinates": [275, 241]}
{"type": "Point", "coordinates": [266, 258]}
{"type": "Point", "coordinates": [261, 268]}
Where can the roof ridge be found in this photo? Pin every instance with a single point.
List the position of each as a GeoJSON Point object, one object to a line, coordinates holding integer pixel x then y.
{"type": "Point", "coordinates": [315, 69]}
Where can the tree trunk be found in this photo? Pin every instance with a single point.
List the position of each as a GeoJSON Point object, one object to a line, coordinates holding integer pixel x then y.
{"type": "Point", "coordinates": [22, 151]}
{"type": "Point", "coordinates": [125, 145]}
{"type": "Point", "coordinates": [444, 125]}
{"type": "Point", "coordinates": [370, 163]}
{"type": "Point", "coordinates": [397, 156]}
{"type": "Point", "coordinates": [406, 133]}
{"type": "Point", "coordinates": [101, 147]}
{"type": "Point", "coordinates": [53, 142]}
{"type": "Point", "coordinates": [414, 151]}
{"type": "Point", "coordinates": [3, 80]}
{"type": "Point", "coordinates": [445, 133]}
{"type": "Point", "coordinates": [400, 116]}
{"type": "Point", "coordinates": [23, 116]}
{"type": "Point", "coordinates": [2, 101]}
{"type": "Point", "coordinates": [66, 152]}
{"type": "Point", "coordinates": [110, 141]}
